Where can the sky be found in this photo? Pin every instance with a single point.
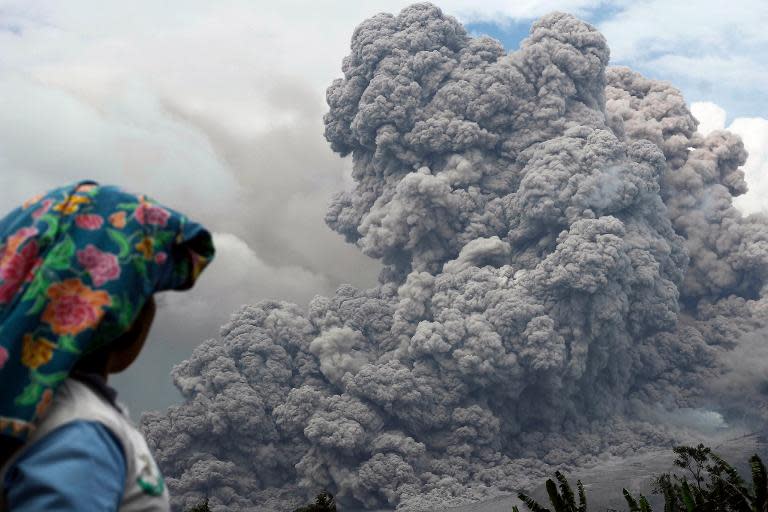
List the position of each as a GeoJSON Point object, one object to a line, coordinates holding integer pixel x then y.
{"type": "Point", "coordinates": [215, 109]}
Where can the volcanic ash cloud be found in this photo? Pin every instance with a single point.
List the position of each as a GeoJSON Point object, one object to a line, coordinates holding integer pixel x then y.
{"type": "Point", "coordinates": [562, 265]}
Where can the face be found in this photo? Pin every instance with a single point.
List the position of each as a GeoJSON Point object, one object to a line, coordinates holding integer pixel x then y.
{"type": "Point", "coordinates": [128, 347]}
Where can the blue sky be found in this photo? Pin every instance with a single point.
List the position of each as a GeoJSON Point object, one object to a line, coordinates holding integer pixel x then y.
{"type": "Point", "coordinates": [510, 31]}
{"type": "Point", "coordinates": [717, 55]}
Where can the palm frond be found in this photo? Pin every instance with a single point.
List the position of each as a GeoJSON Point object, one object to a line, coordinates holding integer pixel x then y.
{"type": "Point", "coordinates": [690, 505]}
{"type": "Point", "coordinates": [582, 497]}
{"type": "Point", "coordinates": [554, 497]}
{"type": "Point", "coordinates": [568, 497]}
{"type": "Point", "coordinates": [531, 503]}
{"type": "Point", "coordinates": [633, 506]}
{"type": "Point", "coordinates": [760, 483]}
{"type": "Point", "coordinates": [733, 475]}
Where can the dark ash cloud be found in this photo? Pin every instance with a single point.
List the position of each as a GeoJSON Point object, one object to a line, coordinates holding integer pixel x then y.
{"type": "Point", "coordinates": [561, 259]}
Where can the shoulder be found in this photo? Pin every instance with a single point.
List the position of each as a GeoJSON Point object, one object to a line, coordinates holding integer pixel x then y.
{"type": "Point", "coordinates": [81, 421]}
{"type": "Point", "coordinates": [77, 466]}
{"type": "Point", "coordinates": [76, 402]}
{"type": "Point", "coordinates": [78, 438]}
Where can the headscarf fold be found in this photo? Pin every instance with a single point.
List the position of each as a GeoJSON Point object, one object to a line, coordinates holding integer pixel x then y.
{"type": "Point", "coordinates": [76, 267]}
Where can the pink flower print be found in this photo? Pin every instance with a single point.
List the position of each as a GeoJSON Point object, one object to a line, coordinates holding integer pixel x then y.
{"type": "Point", "coordinates": [147, 213]}
{"type": "Point", "coordinates": [161, 258]}
{"type": "Point", "coordinates": [43, 209]}
{"type": "Point", "coordinates": [33, 269]}
{"type": "Point", "coordinates": [14, 269]}
{"type": "Point", "coordinates": [17, 239]}
{"type": "Point", "coordinates": [89, 221]}
{"type": "Point", "coordinates": [102, 266]}
{"type": "Point", "coordinates": [3, 357]}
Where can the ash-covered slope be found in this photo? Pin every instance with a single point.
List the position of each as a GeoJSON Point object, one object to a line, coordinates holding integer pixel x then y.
{"type": "Point", "coordinates": [564, 270]}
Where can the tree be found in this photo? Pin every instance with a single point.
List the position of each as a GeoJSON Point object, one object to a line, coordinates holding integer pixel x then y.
{"type": "Point", "coordinates": [715, 485]}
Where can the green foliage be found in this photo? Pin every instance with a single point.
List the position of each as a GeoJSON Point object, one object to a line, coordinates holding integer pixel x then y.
{"type": "Point", "coordinates": [639, 505]}
{"type": "Point", "coordinates": [708, 484]}
{"type": "Point", "coordinates": [562, 499]}
{"type": "Point", "coordinates": [714, 484]}
{"type": "Point", "coordinates": [324, 502]}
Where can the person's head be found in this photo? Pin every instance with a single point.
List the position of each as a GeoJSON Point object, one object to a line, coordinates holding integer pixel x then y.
{"type": "Point", "coordinates": [119, 354]}
{"type": "Point", "coordinates": [80, 266]}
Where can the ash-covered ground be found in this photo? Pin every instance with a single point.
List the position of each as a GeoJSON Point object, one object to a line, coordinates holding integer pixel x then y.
{"type": "Point", "coordinates": [565, 279]}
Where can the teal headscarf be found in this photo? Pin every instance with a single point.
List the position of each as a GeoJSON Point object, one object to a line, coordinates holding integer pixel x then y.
{"type": "Point", "coordinates": [76, 267]}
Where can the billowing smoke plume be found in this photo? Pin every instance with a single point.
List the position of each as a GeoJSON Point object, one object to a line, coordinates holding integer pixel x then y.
{"type": "Point", "coordinates": [563, 263]}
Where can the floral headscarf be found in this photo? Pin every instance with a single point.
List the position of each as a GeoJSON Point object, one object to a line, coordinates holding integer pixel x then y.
{"type": "Point", "coordinates": [76, 267]}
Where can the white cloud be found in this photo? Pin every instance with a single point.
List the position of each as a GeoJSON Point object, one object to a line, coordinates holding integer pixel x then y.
{"type": "Point", "coordinates": [679, 26]}
{"type": "Point", "coordinates": [239, 276]}
{"type": "Point", "coordinates": [707, 49]}
{"type": "Point", "coordinates": [49, 137]}
{"type": "Point", "coordinates": [735, 72]}
{"type": "Point", "coordinates": [710, 116]}
{"type": "Point", "coordinates": [754, 132]}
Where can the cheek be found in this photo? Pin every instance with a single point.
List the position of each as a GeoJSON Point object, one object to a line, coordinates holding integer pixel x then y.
{"type": "Point", "coordinates": [122, 359]}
